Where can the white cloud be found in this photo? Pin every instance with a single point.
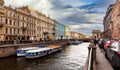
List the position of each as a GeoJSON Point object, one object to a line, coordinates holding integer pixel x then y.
{"type": "Point", "coordinates": [17, 3]}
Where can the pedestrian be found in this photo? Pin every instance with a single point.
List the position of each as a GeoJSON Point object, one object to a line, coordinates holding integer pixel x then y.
{"type": "Point", "coordinates": [95, 42]}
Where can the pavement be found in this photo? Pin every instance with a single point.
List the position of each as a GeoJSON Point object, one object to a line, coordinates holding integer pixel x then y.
{"type": "Point", "coordinates": [101, 62]}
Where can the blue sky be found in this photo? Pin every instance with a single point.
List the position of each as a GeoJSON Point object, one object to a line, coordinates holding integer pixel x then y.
{"type": "Point", "coordinates": [81, 15]}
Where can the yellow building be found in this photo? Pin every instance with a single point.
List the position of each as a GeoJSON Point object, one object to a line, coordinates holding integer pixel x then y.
{"type": "Point", "coordinates": [1, 19]}
{"type": "Point", "coordinates": [74, 35]}
{"type": "Point", "coordinates": [68, 34]}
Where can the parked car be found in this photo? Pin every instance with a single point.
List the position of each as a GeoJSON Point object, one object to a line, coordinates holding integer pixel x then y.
{"type": "Point", "coordinates": [113, 53]}
{"type": "Point", "coordinates": [107, 45]}
{"type": "Point", "coordinates": [103, 42]}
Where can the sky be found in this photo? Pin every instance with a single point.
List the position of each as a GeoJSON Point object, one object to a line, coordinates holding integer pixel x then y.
{"type": "Point", "coordinates": [82, 16]}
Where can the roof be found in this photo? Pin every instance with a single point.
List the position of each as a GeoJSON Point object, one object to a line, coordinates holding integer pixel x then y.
{"type": "Point", "coordinates": [53, 46]}
{"type": "Point", "coordinates": [38, 50]}
{"type": "Point", "coordinates": [29, 48]}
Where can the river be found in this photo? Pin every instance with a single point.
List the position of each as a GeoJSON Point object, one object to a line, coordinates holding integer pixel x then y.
{"type": "Point", "coordinates": [72, 57]}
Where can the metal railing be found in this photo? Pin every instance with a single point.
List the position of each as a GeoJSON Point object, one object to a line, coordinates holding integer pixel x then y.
{"type": "Point", "coordinates": [90, 60]}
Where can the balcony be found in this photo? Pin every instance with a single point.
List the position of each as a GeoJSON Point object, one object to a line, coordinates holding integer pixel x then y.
{"type": "Point", "coordinates": [1, 24]}
{"type": "Point", "coordinates": [24, 27]}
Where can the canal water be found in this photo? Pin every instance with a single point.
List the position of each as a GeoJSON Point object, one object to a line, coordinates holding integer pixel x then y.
{"type": "Point", "coordinates": [72, 57]}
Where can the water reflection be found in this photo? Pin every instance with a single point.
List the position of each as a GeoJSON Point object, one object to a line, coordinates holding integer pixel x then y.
{"type": "Point", "coordinates": [70, 58]}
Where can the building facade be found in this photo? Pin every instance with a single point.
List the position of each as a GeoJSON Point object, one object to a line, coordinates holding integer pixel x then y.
{"type": "Point", "coordinates": [68, 34]}
{"type": "Point", "coordinates": [60, 31]}
{"type": "Point", "coordinates": [45, 27]}
{"type": "Point", "coordinates": [107, 22]}
{"type": "Point", "coordinates": [24, 23]}
{"type": "Point", "coordinates": [115, 26]}
{"type": "Point", "coordinates": [113, 29]}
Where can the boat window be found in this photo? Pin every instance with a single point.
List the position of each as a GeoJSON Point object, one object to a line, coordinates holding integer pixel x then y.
{"type": "Point", "coordinates": [33, 53]}
{"type": "Point", "coordinates": [36, 53]}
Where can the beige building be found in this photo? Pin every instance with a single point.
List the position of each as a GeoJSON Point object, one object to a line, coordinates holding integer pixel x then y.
{"type": "Point", "coordinates": [74, 35]}
{"type": "Point", "coordinates": [68, 34]}
{"type": "Point", "coordinates": [24, 23]}
{"type": "Point", "coordinates": [45, 27]}
{"type": "Point", "coordinates": [81, 36]}
{"type": "Point", "coordinates": [19, 24]}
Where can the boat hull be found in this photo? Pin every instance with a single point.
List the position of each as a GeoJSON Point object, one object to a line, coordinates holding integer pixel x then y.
{"type": "Point", "coordinates": [20, 55]}
{"type": "Point", "coordinates": [33, 57]}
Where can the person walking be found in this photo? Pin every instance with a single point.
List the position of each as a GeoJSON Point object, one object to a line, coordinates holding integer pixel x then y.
{"type": "Point", "coordinates": [95, 41]}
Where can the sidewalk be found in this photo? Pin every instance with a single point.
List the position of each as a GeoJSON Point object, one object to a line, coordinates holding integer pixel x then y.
{"type": "Point", "coordinates": [101, 62]}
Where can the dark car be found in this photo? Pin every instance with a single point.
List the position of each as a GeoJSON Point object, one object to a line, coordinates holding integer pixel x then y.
{"type": "Point", "coordinates": [103, 42]}
{"type": "Point", "coordinates": [113, 54]}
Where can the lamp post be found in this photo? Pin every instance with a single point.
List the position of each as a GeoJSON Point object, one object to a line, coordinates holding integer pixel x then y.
{"type": "Point", "coordinates": [45, 35]}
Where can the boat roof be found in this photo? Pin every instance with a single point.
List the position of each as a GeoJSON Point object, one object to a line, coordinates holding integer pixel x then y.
{"type": "Point", "coordinates": [28, 48]}
{"type": "Point", "coordinates": [54, 46]}
{"type": "Point", "coordinates": [38, 50]}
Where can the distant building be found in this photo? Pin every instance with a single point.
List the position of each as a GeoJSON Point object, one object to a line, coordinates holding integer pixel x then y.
{"type": "Point", "coordinates": [60, 31]}
{"type": "Point", "coordinates": [83, 36]}
{"type": "Point", "coordinates": [97, 34]}
{"type": "Point", "coordinates": [68, 34]}
{"type": "Point", "coordinates": [75, 35]}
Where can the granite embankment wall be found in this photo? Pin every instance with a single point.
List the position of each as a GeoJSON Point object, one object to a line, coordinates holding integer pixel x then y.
{"type": "Point", "coordinates": [8, 50]}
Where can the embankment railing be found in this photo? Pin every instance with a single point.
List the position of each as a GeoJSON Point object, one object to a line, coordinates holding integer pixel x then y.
{"type": "Point", "coordinates": [91, 59]}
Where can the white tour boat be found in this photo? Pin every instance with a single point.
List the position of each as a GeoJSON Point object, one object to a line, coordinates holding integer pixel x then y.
{"type": "Point", "coordinates": [37, 53]}
{"type": "Point", "coordinates": [22, 51]}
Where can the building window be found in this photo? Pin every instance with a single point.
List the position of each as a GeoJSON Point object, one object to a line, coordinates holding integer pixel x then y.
{"type": "Point", "coordinates": [14, 31]}
{"type": "Point", "coordinates": [14, 15]}
{"type": "Point", "coordinates": [18, 31]}
{"type": "Point", "coordinates": [14, 22]}
{"type": "Point", "coordinates": [6, 30]}
{"type": "Point", "coordinates": [10, 22]}
{"type": "Point", "coordinates": [23, 24]}
{"type": "Point", "coordinates": [18, 23]}
{"type": "Point", "coordinates": [6, 21]}
{"type": "Point", "coordinates": [10, 30]}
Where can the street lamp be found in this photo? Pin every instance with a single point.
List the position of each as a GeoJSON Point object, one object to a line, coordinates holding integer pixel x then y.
{"type": "Point", "coordinates": [45, 34]}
